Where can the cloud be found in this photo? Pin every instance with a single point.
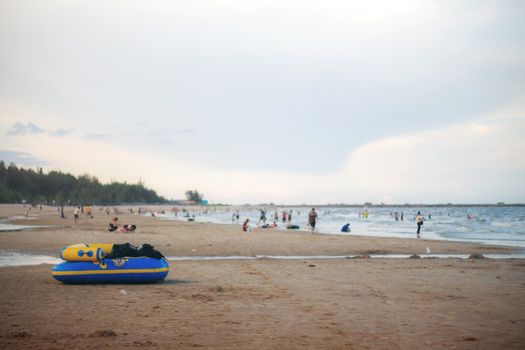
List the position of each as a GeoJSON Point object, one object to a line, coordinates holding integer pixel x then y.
{"type": "Point", "coordinates": [482, 161]}
{"type": "Point", "coordinates": [478, 161]}
{"type": "Point", "coordinates": [30, 128]}
{"type": "Point", "coordinates": [23, 129]}
{"type": "Point", "coordinates": [299, 82]}
{"type": "Point", "coordinates": [293, 100]}
{"type": "Point", "coordinates": [21, 158]}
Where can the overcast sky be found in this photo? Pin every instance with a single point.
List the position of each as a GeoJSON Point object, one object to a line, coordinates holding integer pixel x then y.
{"type": "Point", "coordinates": [271, 101]}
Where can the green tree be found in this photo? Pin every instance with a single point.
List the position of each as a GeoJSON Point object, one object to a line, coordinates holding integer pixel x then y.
{"type": "Point", "coordinates": [194, 195]}
{"type": "Point", "coordinates": [36, 186]}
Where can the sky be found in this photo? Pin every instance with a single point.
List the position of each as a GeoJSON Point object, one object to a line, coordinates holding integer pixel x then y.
{"type": "Point", "coordinates": [271, 101]}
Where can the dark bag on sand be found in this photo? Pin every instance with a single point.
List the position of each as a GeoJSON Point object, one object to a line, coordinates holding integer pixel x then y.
{"type": "Point", "coordinates": [129, 250]}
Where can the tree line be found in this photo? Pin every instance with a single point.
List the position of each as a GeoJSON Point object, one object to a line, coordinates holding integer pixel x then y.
{"type": "Point", "coordinates": [20, 185]}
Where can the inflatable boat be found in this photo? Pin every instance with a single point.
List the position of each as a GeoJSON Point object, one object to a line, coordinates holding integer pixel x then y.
{"type": "Point", "coordinates": [100, 263]}
{"type": "Point", "coordinates": [121, 270]}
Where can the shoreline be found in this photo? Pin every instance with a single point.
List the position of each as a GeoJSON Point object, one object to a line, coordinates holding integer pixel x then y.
{"type": "Point", "coordinates": [37, 218]}
{"type": "Point", "coordinates": [258, 242]}
{"type": "Point", "coordinates": [448, 225]}
{"type": "Point", "coordinates": [10, 258]}
{"type": "Point", "coordinates": [512, 249]}
{"type": "Point", "coordinates": [515, 248]}
{"type": "Point", "coordinates": [172, 237]}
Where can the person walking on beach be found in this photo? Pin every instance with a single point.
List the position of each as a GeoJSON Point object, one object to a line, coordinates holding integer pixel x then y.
{"type": "Point", "coordinates": [75, 214]}
{"type": "Point", "coordinates": [419, 222]}
{"type": "Point", "coordinates": [312, 219]}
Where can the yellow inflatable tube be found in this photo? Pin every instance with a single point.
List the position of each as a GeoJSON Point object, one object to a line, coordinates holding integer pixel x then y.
{"type": "Point", "coordinates": [86, 252]}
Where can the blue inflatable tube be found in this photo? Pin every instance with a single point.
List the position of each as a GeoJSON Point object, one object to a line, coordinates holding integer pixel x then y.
{"type": "Point", "coordinates": [123, 270]}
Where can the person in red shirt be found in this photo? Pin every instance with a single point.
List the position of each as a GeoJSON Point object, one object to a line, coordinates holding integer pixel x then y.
{"type": "Point", "coordinates": [246, 225]}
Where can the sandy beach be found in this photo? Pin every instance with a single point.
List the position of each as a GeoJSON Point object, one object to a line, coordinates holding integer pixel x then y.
{"type": "Point", "coordinates": [265, 303]}
{"type": "Point", "coordinates": [333, 175]}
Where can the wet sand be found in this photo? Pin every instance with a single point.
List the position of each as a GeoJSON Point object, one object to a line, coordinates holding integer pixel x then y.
{"type": "Point", "coordinates": [269, 304]}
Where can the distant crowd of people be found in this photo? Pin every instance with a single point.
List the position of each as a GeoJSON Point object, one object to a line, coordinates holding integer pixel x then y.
{"type": "Point", "coordinates": [313, 218]}
{"type": "Point", "coordinates": [284, 215]}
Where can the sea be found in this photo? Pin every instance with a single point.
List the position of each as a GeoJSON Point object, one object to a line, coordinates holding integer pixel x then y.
{"type": "Point", "coordinates": [495, 225]}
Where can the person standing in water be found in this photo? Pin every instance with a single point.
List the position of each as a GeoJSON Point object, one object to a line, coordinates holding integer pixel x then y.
{"type": "Point", "coordinates": [262, 218]}
{"type": "Point", "coordinates": [312, 219]}
{"type": "Point", "coordinates": [419, 222]}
